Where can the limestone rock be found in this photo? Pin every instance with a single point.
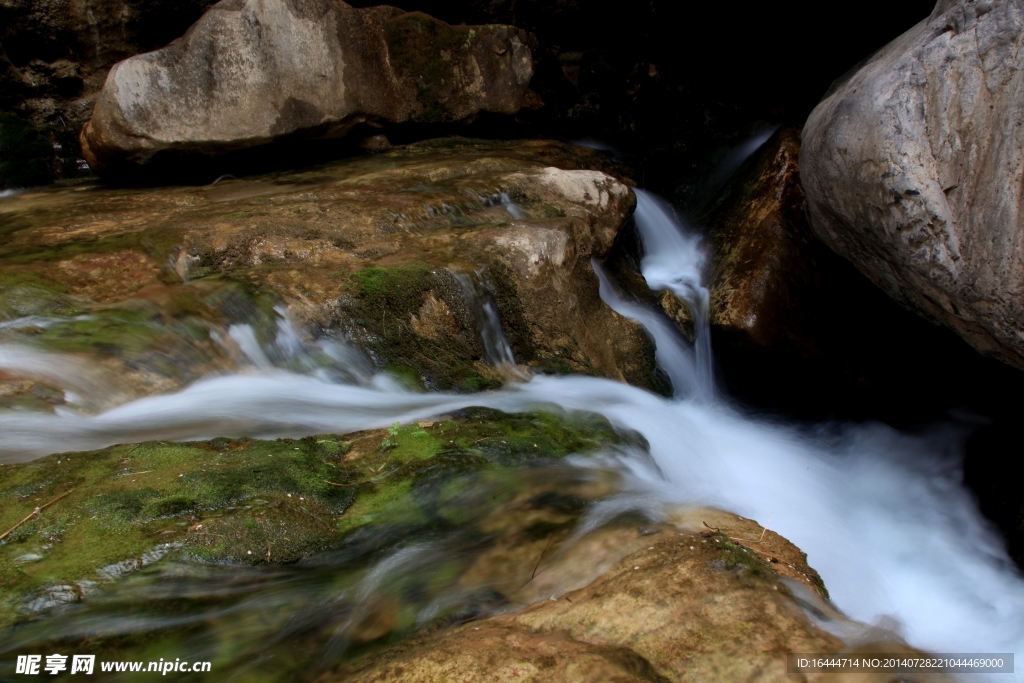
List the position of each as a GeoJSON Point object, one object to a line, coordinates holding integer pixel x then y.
{"type": "Point", "coordinates": [371, 249]}
{"type": "Point", "coordinates": [762, 265]}
{"type": "Point", "coordinates": [250, 72]}
{"type": "Point", "coordinates": [913, 169]}
{"type": "Point", "coordinates": [686, 604]}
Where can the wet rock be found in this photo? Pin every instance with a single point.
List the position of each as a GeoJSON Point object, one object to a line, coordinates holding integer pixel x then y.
{"type": "Point", "coordinates": [249, 73]}
{"type": "Point", "coordinates": [909, 166]}
{"type": "Point", "coordinates": [762, 260]}
{"type": "Point", "coordinates": [795, 327]}
{"type": "Point", "coordinates": [251, 502]}
{"type": "Point", "coordinates": [161, 286]}
{"type": "Point", "coordinates": [383, 534]}
{"type": "Point", "coordinates": [691, 603]}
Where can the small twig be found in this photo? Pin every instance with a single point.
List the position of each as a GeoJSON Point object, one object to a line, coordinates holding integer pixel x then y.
{"type": "Point", "coordinates": [715, 529]}
{"type": "Point", "coordinates": [537, 566]}
{"type": "Point", "coordinates": [764, 530]}
{"type": "Point", "coordinates": [33, 514]}
{"type": "Point", "coordinates": [63, 495]}
{"type": "Point", "coordinates": [341, 485]}
{"type": "Point", "coordinates": [310, 515]}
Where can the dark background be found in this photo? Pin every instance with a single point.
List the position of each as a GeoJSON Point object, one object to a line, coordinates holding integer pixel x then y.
{"type": "Point", "coordinates": [670, 85]}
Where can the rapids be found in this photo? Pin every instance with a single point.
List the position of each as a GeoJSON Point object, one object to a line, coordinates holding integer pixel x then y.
{"type": "Point", "coordinates": [881, 514]}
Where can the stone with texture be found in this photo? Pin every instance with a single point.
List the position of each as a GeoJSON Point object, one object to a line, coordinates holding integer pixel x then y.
{"type": "Point", "coordinates": [914, 169]}
{"type": "Point", "coordinates": [145, 283]}
{"type": "Point", "coordinates": [686, 603]}
{"type": "Point", "coordinates": [250, 72]}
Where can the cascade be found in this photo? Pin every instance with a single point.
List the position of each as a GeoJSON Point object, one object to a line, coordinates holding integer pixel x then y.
{"type": "Point", "coordinates": [882, 515]}
{"type": "Point", "coordinates": [484, 310]}
{"type": "Point", "coordinates": [674, 260]}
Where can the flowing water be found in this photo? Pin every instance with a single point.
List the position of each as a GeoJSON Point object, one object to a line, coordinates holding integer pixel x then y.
{"type": "Point", "coordinates": [881, 514]}
{"type": "Point", "coordinates": [480, 301]}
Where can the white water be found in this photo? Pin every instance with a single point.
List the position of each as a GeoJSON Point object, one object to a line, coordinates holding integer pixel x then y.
{"type": "Point", "coordinates": [881, 514]}
{"type": "Point", "coordinates": [484, 310]}
{"type": "Point", "coordinates": [674, 260]}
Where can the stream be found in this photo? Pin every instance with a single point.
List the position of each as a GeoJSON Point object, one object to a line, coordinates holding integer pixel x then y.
{"type": "Point", "coordinates": [881, 514]}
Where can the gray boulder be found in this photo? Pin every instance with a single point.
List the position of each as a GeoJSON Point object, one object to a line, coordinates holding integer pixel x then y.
{"type": "Point", "coordinates": [251, 72]}
{"type": "Point", "coordinates": [913, 169]}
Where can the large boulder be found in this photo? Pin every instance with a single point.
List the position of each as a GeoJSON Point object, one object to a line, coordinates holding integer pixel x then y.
{"type": "Point", "coordinates": [913, 169]}
{"type": "Point", "coordinates": [251, 72]}
{"type": "Point", "coordinates": [787, 313]}
{"type": "Point", "coordinates": [147, 286]}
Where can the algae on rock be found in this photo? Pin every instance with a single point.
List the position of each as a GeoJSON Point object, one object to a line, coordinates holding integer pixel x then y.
{"type": "Point", "coordinates": [157, 277]}
{"type": "Point", "coordinates": [255, 502]}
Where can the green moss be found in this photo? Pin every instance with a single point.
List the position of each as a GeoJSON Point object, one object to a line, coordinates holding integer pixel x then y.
{"type": "Point", "coordinates": [25, 294]}
{"type": "Point", "coordinates": [381, 309]}
{"type": "Point", "coordinates": [736, 558]}
{"type": "Point", "coordinates": [399, 288]}
{"type": "Point", "coordinates": [242, 500]}
{"type": "Point", "coordinates": [406, 375]}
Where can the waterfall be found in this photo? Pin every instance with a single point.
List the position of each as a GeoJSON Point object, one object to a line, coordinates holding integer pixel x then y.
{"type": "Point", "coordinates": [882, 515]}
{"type": "Point", "coordinates": [484, 309]}
{"type": "Point", "coordinates": [670, 352]}
{"type": "Point", "coordinates": [673, 259]}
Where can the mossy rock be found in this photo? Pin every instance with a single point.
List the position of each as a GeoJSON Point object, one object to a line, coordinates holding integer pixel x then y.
{"type": "Point", "coordinates": [387, 305]}
{"type": "Point", "coordinates": [364, 248]}
{"type": "Point", "coordinates": [257, 502]}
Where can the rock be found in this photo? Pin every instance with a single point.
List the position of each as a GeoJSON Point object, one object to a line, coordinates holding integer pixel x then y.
{"type": "Point", "coordinates": [148, 284]}
{"type": "Point", "coordinates": [796, 328]}
{"type": "Point", "coordinates": [912, 168]}
{"type": "Point", "coordinates": [254, 502]}
{"type": "Point", "coordinates": [686, 604]}
{"type": "Point", "coordinates": [485, 519]}
{"type": "Point", "coordinates": [762, 260]}
{"type": "Point", "coordinates": [250, 73]}
{"type": "Point", "coordinates": [55, 54]}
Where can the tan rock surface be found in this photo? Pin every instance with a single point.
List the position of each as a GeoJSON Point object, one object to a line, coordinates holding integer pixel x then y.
{"type": "Point", "coordinates": [149, 280]}
{"type": "Point", "coordinates": [251, 72]}
{"type": "Point", "coordinates": [687, 603]}
{"type": "Point", "coordinates": [913, 168]}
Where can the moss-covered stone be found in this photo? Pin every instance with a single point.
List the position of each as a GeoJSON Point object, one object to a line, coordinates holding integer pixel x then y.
{"type": "Point", "coordinates": [255, 502]}
{"type": "Point", "coordinates": [365, 248]}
